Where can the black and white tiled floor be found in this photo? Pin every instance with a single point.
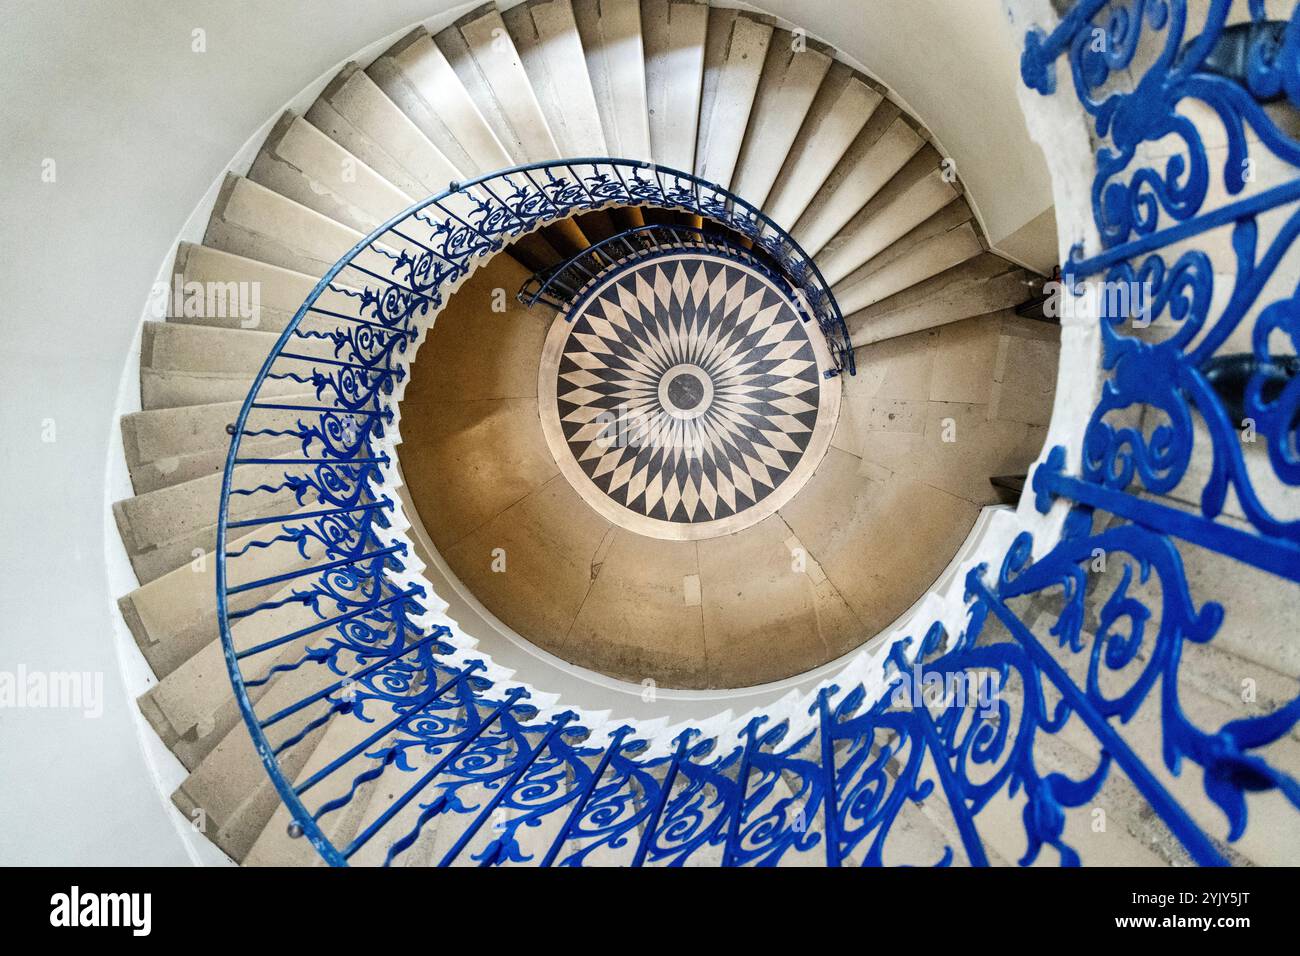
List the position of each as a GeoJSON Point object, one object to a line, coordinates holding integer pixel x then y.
{"type": "Point", "coordinates": [684, 397]}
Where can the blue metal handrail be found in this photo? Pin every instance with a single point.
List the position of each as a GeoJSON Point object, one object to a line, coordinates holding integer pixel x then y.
{"type": "Point", "coordinates": [364, 657]}
{"type": "Point", "coordinates": [559, 285]}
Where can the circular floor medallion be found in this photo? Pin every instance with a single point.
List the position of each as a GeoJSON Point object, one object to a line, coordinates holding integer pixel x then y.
{"type": "Point", "coordinates": [684, 397]}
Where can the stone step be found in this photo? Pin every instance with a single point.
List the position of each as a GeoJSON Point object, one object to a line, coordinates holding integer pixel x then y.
{"type": "Point", "coordinates": [843, 105]}
{"type": "Point", "coordinates": [1202, 465]}
{"type": "Point", "coordinates": [393, 784]}
{"type": "Point", "coordinates": [615, 54]}
{"type": "Point", "coordinates": [188, 365]}
{"type": "Point", "coordinates": [176, 347]}
{"type": "Point", "coordinates": [767, 799]}
{"type": "Point", "coordinates": [791, 77]}
{"type": "Point", "coordinates": [175, 389]}
{"type": "Point", "coordinates": [167, 446]}
{"type": "Point", "coordinates": [1132, 830]}
{"type": "Point", "coordinates": [945, 240]}
{"type": "Point", "coordinates": [1215, 688]}
{"type": "Point", "coordinates": [1220, 676]}
{"type": "Point", "coordinates": [733, 64]}
{"type": "Point", "coordinates": [221, 283]}
{"type": "Point", "coordinates": [546, 36]}
{"type": "Point", "coordinates": [979, 286]}
{"type": "Point", "coordinates": [878, 154]}
{"type": "Point", "coordinates": [480, 50]}
{"type": "Point", "coordinates": [193, 707]}
{"type": "Point", "coordinates": [923, 831]}
{"type": "Point", "coordinates": [302, 163]}
{"type": "Point", "coordinates": [327, 119]}
{"type": "Point", "coordinates": [1130, 835]}
{"type": "Point", "coordinates": [1136, 828]}
{"type": "Point", "coordinates": [231, 787]}
{"type": "Point", "coordinates": [443, 832]}
{"type": "Point", "coordinates": [388, 140]}
{"type": "Point", "coordinates": [914, 839]}
{"type": "Point", "coordinates": [1267, 643]}
{"type": "Point", "coordinates": [918, 191]}
{"type": "Point", "coordinates": [168, 528]}
{"type": "Point", "coordinates": [533, 838]}
{"type": "Point", "coordinates": [276, 845]}
{"type": "Point", "coordinates": [258, 223]}
{"type": "Point", "coordinates": [931, 822]}
{"type": "Point", "coordinates": [602, 853]}
{"type": "Point", "coordinates": [534, 841]}
{"type": "Point", "coordinates": [674, 35]}
{"type": "Point", "coordinates": [174, 616]}
{"type": "Point", "coordinates": [416, 76]}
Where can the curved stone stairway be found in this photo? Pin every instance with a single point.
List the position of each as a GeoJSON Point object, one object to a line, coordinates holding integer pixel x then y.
{"type": "Point", "coordinates": [821, 149]}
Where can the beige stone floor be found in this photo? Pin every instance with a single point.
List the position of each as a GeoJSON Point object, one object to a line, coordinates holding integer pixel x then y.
{"type": "Point", "coordinates": [876, 524]}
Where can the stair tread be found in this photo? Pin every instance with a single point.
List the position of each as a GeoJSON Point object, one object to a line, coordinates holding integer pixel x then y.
{"type": "Point", "coordinates": [614, 48]}
{"type": "Point", "coordinates": [302, 163]}
{"type": "Point", "coordinates": [415, 74]}
{"type": "Point", "coordinates": [358, 100]}
{"type": "Point", "coordinates": [480, 50]}
{"type": "Point", "coordinates": [733, 63]}
{"type": "Point", "coordinates": [790, 79]}
{"type": "Point", "coordinates": [673, 38]}
{"type": "Point", "coordinates": [550, 48]}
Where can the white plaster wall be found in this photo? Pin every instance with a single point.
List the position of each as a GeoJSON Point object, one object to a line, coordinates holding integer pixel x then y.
{"type": "Point", "coordinates": [140, 127]}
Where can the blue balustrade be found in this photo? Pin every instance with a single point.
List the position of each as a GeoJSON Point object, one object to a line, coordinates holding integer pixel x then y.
{"type": "Point", "coordinates": [560, 285]}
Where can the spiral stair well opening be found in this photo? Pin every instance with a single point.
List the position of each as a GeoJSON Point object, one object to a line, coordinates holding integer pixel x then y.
{"type": "Point", "coordinates": [635, 425]}
{"type": "Point", "coordinates": [570, 539]}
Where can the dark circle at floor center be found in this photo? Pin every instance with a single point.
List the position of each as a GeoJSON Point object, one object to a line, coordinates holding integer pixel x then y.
{"type": "Point", "coordinates": [685, 391]}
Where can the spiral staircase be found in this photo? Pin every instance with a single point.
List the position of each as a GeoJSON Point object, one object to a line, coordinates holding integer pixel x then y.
{"type": "Point", "coordinates": [337, 656]}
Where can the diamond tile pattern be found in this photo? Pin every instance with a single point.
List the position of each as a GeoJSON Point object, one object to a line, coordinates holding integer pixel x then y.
{"type": "Point", "coordinates": [687, 389]}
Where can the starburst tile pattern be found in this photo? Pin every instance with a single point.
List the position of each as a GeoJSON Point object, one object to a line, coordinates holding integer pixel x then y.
{"type": "Point", "coordinates": [684, 395]}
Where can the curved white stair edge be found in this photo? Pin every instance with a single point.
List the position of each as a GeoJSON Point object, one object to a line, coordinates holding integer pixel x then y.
{"type": "Point", "coordinates": [165, 768]}
{"type": "Point", "coordinates": [624, 701]}
{"type": "Point", "coordinates": [603, 704]}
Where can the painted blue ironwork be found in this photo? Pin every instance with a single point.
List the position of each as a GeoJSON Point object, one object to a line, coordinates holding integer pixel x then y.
{"type": "Point", "coordinates": [561, 285]}
{"type": "Point", "coordinates": [1072, 660]}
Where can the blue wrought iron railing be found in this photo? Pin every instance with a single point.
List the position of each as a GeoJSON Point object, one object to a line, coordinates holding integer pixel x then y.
{"type": "Point", "coordinates": [559, 285]}
{"type": "Point", "coordinates": [1072, 639]}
